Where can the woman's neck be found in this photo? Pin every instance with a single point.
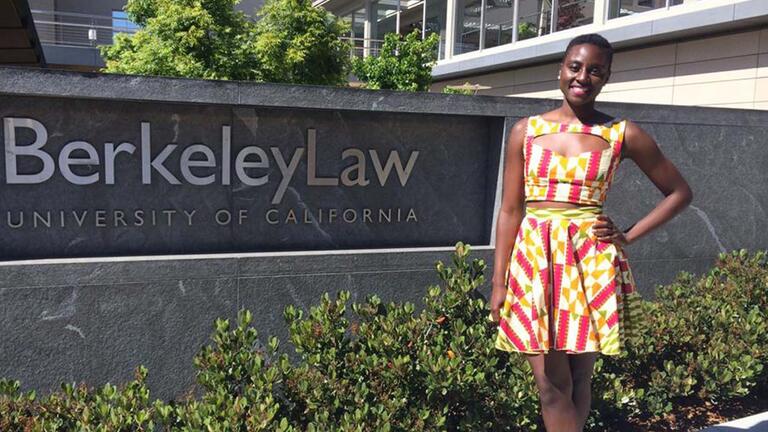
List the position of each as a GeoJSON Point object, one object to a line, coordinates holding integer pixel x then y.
{"type": "Point", "coordinates": [584, 113]}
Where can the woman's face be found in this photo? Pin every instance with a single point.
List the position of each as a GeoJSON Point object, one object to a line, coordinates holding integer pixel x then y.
{"type": "Point", "coordinates": [583, 73]}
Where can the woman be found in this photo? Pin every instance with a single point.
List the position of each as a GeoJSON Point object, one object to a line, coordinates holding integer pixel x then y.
{"type": "Point", "coordinates": [562, 287]}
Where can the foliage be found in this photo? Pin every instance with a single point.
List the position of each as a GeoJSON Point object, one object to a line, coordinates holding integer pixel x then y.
{"type": "Point", "coordinates": [300, 44]}
{"type": "Point", "coordinates": [292, 43]}
{"type": "Point", "coordinates": [388, 367]}
{"type": "Point", "coordinates": [78, 408]}
{"type": "Point", "coordinates": [186, 38]}
{"type": "Point", "coordinates": [526, 30]}
{"type": "Point", "coordinates": [240, 379]}
{"type": "Point", "coordinates": [402, 64]}
{"type": "Point", "coordinates": [568, 14]}
{"type": "Point", "coordinates": [462, 91]}
{"type": "Point", "coordinates": [702, 339]}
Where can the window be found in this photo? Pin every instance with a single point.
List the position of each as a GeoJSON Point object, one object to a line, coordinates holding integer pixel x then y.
{"type": "Point", "coordinates": [620, 8]}
{"type": "Point", "coordinates": [499, 25]}
{"type": "Point", "coordinates": [468, 20]}
{"type": "Point", "coordinates": [434, 22]}
{"type": "Point", "coordinates": [122, 24]}
{"type": "Point", "coordinates": [496, 20]}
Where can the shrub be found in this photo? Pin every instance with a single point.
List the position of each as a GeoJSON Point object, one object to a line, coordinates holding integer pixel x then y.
{"type": "Point", "coordinates": [385, 367]}
{"type": "Point", "coordinates": [703, 339]}
{"type": "Point", "coordinates": [78, 408]}
{"type": "Point", "coordinates": [388, 367]}
{"type": "Point", "coordinates": [402, 64]}
{"type": "Point", "coordinates": [292, 42]}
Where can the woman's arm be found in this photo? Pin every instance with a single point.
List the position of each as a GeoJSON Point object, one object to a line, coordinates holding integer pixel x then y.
{"type": "Point", "coordinates": [511, 213]}
{"type": "Point", "coordinates": [644, 151]}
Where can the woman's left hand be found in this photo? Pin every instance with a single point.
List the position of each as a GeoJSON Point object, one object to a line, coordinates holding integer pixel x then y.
{"type": "Point", "coordinates": [605, 230]}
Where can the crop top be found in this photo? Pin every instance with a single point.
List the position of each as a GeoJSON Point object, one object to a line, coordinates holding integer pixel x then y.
{"type": "Point", "coordinates": [581, 179]}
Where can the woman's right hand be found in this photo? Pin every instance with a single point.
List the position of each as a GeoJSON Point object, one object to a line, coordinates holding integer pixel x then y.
{"type": "Point", "coordinates": [498, 296]}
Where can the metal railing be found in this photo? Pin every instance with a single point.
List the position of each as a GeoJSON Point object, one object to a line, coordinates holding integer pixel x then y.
{"type": "Point", "coordinates": [360, 45]}
{"type": "Point", "coordinates": [85, 30]}
{"type": "Point", "coordinates": [76, 29]}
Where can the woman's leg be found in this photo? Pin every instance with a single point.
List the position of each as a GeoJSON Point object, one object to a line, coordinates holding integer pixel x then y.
{"type": "Point", "coordinates": [582, 366]}
{"type": "Point", "coordinates": [552, 373]}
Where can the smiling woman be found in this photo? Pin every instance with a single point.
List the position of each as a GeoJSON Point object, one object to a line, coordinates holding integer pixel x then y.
{"type": "Point", "coordinates": [563, 290]}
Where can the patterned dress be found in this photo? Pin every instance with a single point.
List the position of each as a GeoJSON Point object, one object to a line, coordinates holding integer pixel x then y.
{"type": "Point", "coordinates": [567, 290]}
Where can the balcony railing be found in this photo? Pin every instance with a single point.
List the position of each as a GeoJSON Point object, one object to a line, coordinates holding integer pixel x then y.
{"type": "Point", "coordinates": [360, 45]}
{"type": "Point", "coordinates": [80, 30]}
{"type": "Point", "coordinates": [84, 30]}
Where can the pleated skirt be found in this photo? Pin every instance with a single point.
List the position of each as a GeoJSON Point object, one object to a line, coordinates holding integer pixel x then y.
{"type": "Point", "coordinates": [566, 290]}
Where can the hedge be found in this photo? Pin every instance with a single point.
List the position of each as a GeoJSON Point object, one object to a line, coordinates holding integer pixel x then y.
{"type": "Point", "coordinates": [390, 367]}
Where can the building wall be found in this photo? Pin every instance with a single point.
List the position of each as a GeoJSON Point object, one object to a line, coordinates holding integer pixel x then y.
{"type": "Point", "coordinates": [728, 71]}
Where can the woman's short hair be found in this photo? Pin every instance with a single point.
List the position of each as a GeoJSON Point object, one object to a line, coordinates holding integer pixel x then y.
{"type": "Point", "coordinates": [592, 39]}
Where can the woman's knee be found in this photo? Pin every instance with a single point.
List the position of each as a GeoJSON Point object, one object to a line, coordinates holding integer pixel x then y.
{"type": "Point", "coordinates": [551, 393]}
{"type": "Point", "coordinates": [581, 373]}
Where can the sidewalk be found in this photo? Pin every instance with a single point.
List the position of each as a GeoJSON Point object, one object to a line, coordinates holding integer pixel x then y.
{"type": "Point", "coordinates": [755, 423]}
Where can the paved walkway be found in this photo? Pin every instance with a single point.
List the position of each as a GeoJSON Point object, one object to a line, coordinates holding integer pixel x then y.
{"type": "Point", "coordinates": [755, 423]}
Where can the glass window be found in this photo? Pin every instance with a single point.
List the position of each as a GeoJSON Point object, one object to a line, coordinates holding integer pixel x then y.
{"type": "Point", "coordinates": [468, 14]}
{"type": "Point", "coordinates": [121, 23]}
{"type": "Point", "coordinates": [434, 22]}
{"type": "Point", "coordinates": [620, 8]}
{"type": "Point", "coordinates": [498, 22]}
{"type": "Point", "coordinates": [411, 17]}
{"type": "Point", "coordinates": [535, 17]}
{"type": "Point", "coordinates": [385, 18]}
{"type": "Point", "coordinates": [356, 22]}
{"type": "Point", "coordinates": [574, 13]}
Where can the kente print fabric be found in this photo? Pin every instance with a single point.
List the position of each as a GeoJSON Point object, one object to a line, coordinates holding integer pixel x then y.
{"type": "Point", "coordinates": [566, 290]}
{"type": "Point", "coordinates": [582, 179]}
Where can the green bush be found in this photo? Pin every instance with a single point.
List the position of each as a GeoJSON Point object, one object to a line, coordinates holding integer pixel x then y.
{"type": "Point", "coordinates": [78, 408]}
{"type": "Point", "coordinates": [461, 91]}
{"type": "Point", "coordinates": [390, 367]}
{"type": "Point", "coordinates": [702, 339]}
{"type": "Point", "coordinates": [403, 63]}
{"type": "Point", "coordinates": [292, 42]}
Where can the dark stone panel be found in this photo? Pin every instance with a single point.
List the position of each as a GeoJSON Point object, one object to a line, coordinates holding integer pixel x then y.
{"type": "Point", "coordinates": [104, 271]}
{"type": "Point", "coordinates": [56, 218]}
{"type": "Point", "coordinates": [88, 85]}
{"type": "Point", "coordinates": [725, 168]}
{"type": "Point", "coordinates": [100, 333]}
{"type": "Point", "coordinates": [650, 274]}
{"type": "Point", "coordinates": [268, 295]}
{"type": "Point", "coordinates": [339, 263]}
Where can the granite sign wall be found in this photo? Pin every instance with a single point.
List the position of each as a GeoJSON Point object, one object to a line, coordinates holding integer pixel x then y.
{"type": "Point", "coordinates": [107, 178]}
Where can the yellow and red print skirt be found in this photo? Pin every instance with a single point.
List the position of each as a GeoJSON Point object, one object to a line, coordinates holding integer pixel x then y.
{"type": "Point", "coordinates": [566, 290]}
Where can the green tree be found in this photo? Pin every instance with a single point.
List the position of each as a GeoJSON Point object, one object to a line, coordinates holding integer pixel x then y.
{"type": "Point", "coordinates": [189, 38]}
{"type": "Point", "coordinates": [292, 43]}
{"type": "Point", "coordinates": [300, 44]}
{"type": "Point", "coordinates": [402, 63]}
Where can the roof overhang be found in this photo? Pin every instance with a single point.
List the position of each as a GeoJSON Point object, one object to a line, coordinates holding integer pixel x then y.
{"type": "Point", "coordinates": [339, 7]}
{"type": "Point", "coordinates": [19, 44]}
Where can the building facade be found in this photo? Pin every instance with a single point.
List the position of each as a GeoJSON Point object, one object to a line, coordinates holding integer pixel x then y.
{"type": "Point", "coordinates": [71, 30]}
{"type": "Point", "coordinates": [678, 52]}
